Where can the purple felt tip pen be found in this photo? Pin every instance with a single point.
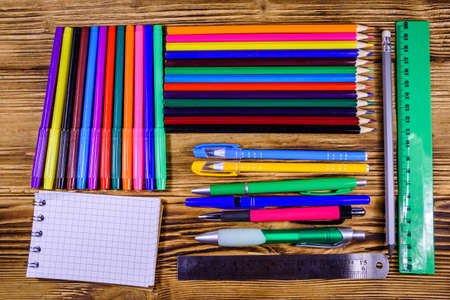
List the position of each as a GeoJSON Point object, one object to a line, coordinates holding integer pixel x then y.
{"type": "Point", "coordinates": [41, 146]}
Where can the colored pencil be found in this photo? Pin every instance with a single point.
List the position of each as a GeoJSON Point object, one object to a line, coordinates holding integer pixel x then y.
{"type": "Point", "coordinates": [269, 28]}
{"type": "Point", "coordinates": [149, 145]}
{"type": "Point", "coordinates": [138, 130]}
{"type": "Point", "coordinates": [199, 103]}
{"type": "Point", "coordinates": [160, 136]}
{"type": "Point", "coordinates": [269, 37]}
{"type": "Point", "coordinates": [96, 130]}
{"type": "Point", "coordinates": [279, 70]}
{"type": "Point", "coordinates": [263, 78]}
{"type": "Point", "coordinates": [266, 94]}
{"type": "Point", "coordinates": [72, 160]}
{"type": "Point", "coordinates": [264, 120]}
{"type": "Point", "coordinates": [116, 132]}
{"type": "Point", "coordinates": [41, 145]}
{"type": "Point", "coordinates": [88, 103]}
{"type": "Point", "coordinates": [266, 54]}
{"type": "Point", "coordinates": [338, 129]}
{"type": "Point", "coordinates": [105, 154]}
{"type": "Point", "coordinates": [266, 111]}
{"type": "Point", "coordinates": [60, 95]}
{"type": "Point", "coordinates": [261, 87]}
{"type": "Point", "coordinates": [266, 45]}
{"type": "Point", "coordinates": [68, 111]}
{"type": "Point", "coordinates": [127, 134]}
{"type": "Point", "coordinates": [245, 62]}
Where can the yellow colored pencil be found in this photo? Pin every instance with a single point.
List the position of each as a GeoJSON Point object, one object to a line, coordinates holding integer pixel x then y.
{"type": "Point", "coordinates": [233, 168]}
{"type": "Point", "coordinates": [58, 108]}
{"type": "Point", "coordinates": [266, 45]}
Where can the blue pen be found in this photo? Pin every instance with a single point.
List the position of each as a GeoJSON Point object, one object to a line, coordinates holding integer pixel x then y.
{"type": "Point", "coordinates": [233, 151]}
{"type": "Point", "coordinates": [265, 53]}
{"type": "Point", "coordinates": [88, 101]}
{"type": "Point", "coordinates": [230, 202]}
{"type": "Point", "coordinates": [149, 145]}
{"type": "Point", "coordinates": [176, 78]}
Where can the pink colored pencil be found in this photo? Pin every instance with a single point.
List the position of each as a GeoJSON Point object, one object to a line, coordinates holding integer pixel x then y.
{"type": "Point", "coordinates": [266, 37]}
{"type": "Point", "coordinates": [138, 132]}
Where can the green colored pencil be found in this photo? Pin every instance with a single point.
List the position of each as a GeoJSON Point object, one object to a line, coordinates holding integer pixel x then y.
{"type": "Point", "coordinates": [266, 70]}
{"type": "Point", "coordinates": [265, 103]}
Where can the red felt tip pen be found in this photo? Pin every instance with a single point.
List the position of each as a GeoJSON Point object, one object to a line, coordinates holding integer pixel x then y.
{"type": "Point", "coordinates": [321, 213]}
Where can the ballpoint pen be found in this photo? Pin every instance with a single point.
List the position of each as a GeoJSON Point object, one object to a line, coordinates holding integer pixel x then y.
{"type": "Point", "coordinates": [218, 168]}
{"type": "Point", "coordinates": [329, 237]}
{"type": "Point", "coordinates": [88, 103]}
{"type": "Point", "coordinates": [41, 145]}
{"type": "Point", "coordinates": [230, 202]}
{"type": "Point", "coordinates": [233, 151]}
{"type": "Point", "coordinates": [314, 215]}
{"type": "Point", "coordinates": [328, 186]}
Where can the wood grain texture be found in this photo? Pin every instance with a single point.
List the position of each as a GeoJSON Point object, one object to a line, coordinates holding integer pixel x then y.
{"type": "Point", "coordinates": [26, 34]}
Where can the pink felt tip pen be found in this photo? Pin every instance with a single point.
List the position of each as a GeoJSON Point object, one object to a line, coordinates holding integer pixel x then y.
{"type": "Point", "coordinates": [138, 131]}
{"type": "Point", "coordinates": [335, 214]}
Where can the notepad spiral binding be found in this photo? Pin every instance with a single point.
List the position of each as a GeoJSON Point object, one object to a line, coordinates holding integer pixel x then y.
{"type": "Point", "coordinates": [39, 233]}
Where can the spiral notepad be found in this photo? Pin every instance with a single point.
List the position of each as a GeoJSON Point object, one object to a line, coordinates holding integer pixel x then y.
{"type": "Point", "coordinates": [96, 238]}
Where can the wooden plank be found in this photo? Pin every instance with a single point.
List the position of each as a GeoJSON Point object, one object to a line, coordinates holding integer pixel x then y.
{"type": "Point", "coordinates": [26, 33]}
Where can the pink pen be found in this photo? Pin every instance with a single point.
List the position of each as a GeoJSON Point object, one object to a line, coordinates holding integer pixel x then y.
{"type": "Point", "coordinates": [266, 37]}
{"type": "Point", "coordinates": [138, 131]}
{"type": "Point", "coordinates": [337, 214]}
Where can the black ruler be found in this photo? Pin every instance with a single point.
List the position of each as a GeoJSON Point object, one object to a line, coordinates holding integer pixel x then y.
{"type": "Point", "coordinates": [283, 267]}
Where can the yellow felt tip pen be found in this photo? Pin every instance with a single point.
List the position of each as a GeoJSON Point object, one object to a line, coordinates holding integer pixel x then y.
{"type": "Point", "coordinates": [220, 168]}
{"type": "Point", "coordinates": [58, 108]}
{"type": "Point", "coordinates": [291, 45]}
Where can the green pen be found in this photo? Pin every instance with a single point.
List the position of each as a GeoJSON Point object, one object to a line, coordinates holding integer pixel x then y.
{"type": "Point", "coordinates": [160, 135]}
{"type": "Point", "coordinates": [339, 185]}
{"type": "Point", "coordinates": [265, 103]}
{"type": "Point", "coordinates": [116, 130]}
{"type": "Point", "coordinates": [328, 237]}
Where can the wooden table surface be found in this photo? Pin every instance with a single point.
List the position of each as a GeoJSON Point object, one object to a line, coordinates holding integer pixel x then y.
{"type": "Point", "coordinates": [26, 35]}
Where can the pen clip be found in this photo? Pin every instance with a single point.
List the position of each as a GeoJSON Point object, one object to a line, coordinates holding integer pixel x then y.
{"type": "Point", "coordinates": [326, 246]}
{"type": "Point", "coordinates": [203, 168]}
{"type": "Point", "coordinates": [208, 150]}
{"type": "Point", "coordinates": [336, 192]}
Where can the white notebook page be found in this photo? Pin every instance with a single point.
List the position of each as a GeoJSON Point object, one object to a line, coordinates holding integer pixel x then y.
{"type": "Point", "coordinates": [97, 238]}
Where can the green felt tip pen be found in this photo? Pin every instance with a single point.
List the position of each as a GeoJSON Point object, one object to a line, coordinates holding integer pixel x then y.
{"type": "Point", "coordinates": [160, 135]}
{"type": "Point", "coordinates": [306, 186]}
{"type": "Point", "coordinates": [328, 237]}
{"type": "Point", "coordinates": [116, 130]}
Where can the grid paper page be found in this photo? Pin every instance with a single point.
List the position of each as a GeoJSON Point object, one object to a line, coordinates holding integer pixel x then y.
{"type": "Point", "coordinates": [97, 238]}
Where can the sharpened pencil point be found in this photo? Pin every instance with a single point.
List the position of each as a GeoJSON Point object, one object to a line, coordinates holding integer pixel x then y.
{"type": "Point", "coordinates": [368, 112]}
{"type": "Point", "coordinates": [369, 77]}
{"type": "Point", "coordinates": [370, 102]}
{"type": "Point", "coordinates": [370, 53]}
{"type": "Point", "coordinates": [369, 86]}
{"type": "Point", "coordinates": [370, 36]}
{"type": "Point", "coordinates": [369, 94]}
{"type": "Point", "coordinates": [370, 28]}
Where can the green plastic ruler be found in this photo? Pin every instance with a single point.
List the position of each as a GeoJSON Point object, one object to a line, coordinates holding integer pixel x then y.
{"type": "Point", "coordinates": [415, 166]}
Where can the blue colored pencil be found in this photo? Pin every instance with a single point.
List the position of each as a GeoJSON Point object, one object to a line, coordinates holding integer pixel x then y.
{"type": "Point", "coordinates": [265, 53]}
{"type": "Point", "coordinates": [85, 131]}
{"type": "Point", "coordinates": [202, 78]}
{"type": "Point", "coordinates": [149, 145]}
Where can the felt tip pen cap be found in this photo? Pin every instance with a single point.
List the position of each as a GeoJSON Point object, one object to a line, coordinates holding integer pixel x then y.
{"type": "Point", "coordinates": [209, 150]}
{"type": "Point", "coordinates": [223, 202]}
{"type": "Point", "coordinates": [211, 168]}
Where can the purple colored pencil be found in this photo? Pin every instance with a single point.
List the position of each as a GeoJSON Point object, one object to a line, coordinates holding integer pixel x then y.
{"type": "Point", "coordinates": [265, 94]}
{"type": "Point", "coordinates": [94, 151]}
{"type": "Point", "coordinates": [241, 62]}
{"type": "Point", "coordinates": [261, 111]}
{"type": "Point", "coordinates": [41, 146]}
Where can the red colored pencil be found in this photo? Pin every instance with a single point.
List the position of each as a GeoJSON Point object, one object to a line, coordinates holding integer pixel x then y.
{"type": "Point", "coordinates": [265, 120]}
{"type": "Point", "coordinates": [265, 86]}
{"type": "Point", "coordinates": [105, 154]}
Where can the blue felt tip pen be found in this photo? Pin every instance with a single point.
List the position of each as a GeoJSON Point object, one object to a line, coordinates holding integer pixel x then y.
{"type": "Point", "coordinates": [85, 131]}
{"type": "Point", "coordinates": [232, 202]}
{"type": "Point", "coordinates": [149, 145]}
{"type": "Point", "coordinates": [233, 151]}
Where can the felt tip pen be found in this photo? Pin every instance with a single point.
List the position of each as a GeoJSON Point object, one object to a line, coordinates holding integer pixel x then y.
{"type": "Point", "coordinates": [138, 130]}
{"type": "Point", "coordinates": [332, 214]}
{"type": "Point", "coordinates": [329, 237]}
{"type": "Point", "coordinates": [327, 186]}
{"type": "Point", "coordinates": [230, 202]}
{"type": "Point", "coordinates": [233, 151]}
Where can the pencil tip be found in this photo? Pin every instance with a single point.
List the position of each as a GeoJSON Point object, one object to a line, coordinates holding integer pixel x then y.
{"type": "Point", "coordinates": [369, 86]}
{"type": "Point", "coordinates": [369, 77]}
{"type": "Point", "coordinates": [370, 102]}
{"type": "Point", "coordinates": [368, 112]}
{"type": "Point", "coordinates": [370, 70]}
{"type": "Point", "coordinates": [369, 94]}
{"type": "Point", "coordinates": [370, 36]}
{"type": "Point", "coordinates": [371, 121]}
{"type": "Point", "coordinates": [370, 28]}
{"type": "Point", "coordinates": [370, 53]}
